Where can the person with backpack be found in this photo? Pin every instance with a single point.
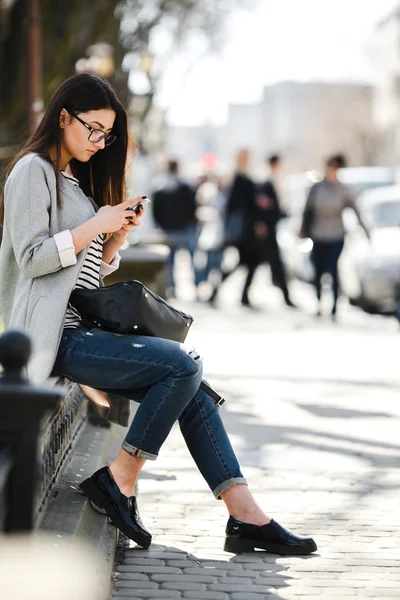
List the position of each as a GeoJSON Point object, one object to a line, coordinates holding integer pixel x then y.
{"type": "Point", "coordinates": [174, 211]}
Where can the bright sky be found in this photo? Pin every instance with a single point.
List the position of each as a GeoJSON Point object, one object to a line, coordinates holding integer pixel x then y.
{"type": "Point", "coordinates": [277, 40]}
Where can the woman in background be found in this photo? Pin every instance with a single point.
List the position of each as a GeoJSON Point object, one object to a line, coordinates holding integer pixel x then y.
{"type": "Point", "coordinates": [322, 222]}
{"type": "Point", "coordinates": [240, 226]}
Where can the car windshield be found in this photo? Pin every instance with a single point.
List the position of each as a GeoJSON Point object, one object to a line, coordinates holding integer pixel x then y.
{"type": "Point", "coordinates": [385, 214]}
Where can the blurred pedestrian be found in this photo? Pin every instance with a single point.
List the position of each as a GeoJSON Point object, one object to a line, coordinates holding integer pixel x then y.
{"type": "Point", "coordinates": [251, 220]}
{"type": "Point", "coordinates": [240, 230]}
{"type": "Point", "coordinates": [211, 203]}
{"type": "Point", "coordinates": [267, 214]}
{"type": "Point", "coordinates": [322, 222]}
{"type": "Point", "coordinates": [174, 210]}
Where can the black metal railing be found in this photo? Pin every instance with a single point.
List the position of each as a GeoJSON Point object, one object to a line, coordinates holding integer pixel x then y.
{"type": "Point", "coordinates": [5, 469]}
{"type": "Point", "coordinates": [59, 431]}
{"type": "Point", "coordinates": [38, 426]}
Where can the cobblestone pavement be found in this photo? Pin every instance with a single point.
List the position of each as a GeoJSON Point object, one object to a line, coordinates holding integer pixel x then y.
{"type": "Point", "coordinates": [313, 412]}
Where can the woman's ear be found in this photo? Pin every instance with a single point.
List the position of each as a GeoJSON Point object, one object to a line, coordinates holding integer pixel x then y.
{"type": "Point", "coordinates": [63, 118]}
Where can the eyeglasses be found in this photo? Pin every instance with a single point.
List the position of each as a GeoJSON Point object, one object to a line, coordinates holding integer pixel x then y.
{"type": "Point", "coordinates": [97, 135]}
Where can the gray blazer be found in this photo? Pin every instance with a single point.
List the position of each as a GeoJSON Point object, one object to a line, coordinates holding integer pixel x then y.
{"type": "Point", "coordinates": [34, 287]}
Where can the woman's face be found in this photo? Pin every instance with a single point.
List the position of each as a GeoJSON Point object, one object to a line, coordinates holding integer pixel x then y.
{"type": "Point", "coordinates": [75, 134]}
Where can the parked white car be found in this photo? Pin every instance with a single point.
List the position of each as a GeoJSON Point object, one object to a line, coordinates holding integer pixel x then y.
{"type": "Point", "coordinates": [370, 270]}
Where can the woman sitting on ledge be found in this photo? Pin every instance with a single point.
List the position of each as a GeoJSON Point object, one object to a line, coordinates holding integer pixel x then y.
{"type": "Point", "coordinates": [64, 218]}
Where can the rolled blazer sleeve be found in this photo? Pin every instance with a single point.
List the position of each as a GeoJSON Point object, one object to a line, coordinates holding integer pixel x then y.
{"type": "Point", "coordinates": [66, 248]}
{"type": "Point", "coordinates": [27, 204]}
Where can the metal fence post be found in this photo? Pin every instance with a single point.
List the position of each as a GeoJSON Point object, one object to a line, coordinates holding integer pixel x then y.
{"type": "Point", "coordinates": [22, 407]}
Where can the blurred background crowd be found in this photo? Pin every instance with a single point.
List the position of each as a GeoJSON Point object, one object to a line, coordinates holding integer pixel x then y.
{"type": "Point", "coordinates": [267, 131]}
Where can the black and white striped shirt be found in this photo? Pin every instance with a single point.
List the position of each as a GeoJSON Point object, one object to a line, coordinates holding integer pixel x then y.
{"type": "Point", "coordinates": [89, 276]}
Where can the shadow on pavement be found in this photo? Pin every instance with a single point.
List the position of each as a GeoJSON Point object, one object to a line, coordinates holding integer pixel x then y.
{"type": "Point", "coordinates": [333, 412]}
{"type": "Point", "coordinates": [301, 437]}
{"type": "Point", "coordinates": [370, 458]}
{"type": "Point", "coordinates": [252, 573]}
{"type": "Point", "coordinates": [309, 380]}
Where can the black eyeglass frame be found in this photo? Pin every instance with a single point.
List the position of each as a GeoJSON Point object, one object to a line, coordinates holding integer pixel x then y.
{"type": "Point", "coordinates": [107, 137]}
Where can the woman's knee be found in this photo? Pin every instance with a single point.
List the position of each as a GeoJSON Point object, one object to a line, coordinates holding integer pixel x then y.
{"type": "Point", "coordinates": [188, 364]}
{"type": "Point", "coordinates": [195, 372]}
{"type": "Point", "coordinates": [194, 369]}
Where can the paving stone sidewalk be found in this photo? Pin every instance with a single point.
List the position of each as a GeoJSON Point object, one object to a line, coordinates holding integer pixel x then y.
{"type": "Point", "coordinates": [321, 452]}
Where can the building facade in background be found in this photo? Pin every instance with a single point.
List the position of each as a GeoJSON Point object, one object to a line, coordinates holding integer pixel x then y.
{"type": "Point", "coordinates": [304, 121]}
{"type": "Point", "coordinates": [387, 90]}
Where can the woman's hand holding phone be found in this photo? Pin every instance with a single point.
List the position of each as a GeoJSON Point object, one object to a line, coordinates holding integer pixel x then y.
{"type": "Point", "coordinates": [115, 219]}
{"type": "Point", "coordinates": [133, 217]}
{"type": "Point", "coordinates": [134, 214]}
{"type": "Point", "coordinates": [138, 208]}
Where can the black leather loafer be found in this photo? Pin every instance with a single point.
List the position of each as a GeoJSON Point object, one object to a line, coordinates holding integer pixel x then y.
{"type": "Point", "coordinates": [244, 537]}
{"type": "Point", "coordinates": [102, 490]}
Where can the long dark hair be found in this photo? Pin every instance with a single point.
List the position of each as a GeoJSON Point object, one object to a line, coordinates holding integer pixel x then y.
{"type": "Point", "coordinates": [103, 176]}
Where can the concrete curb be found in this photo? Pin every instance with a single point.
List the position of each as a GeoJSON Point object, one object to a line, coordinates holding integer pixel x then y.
{"type": "Point", "coordinates": [69, 513]}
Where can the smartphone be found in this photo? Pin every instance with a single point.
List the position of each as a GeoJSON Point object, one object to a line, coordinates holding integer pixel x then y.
{"type": "Point", "coordinates": [139, 205]}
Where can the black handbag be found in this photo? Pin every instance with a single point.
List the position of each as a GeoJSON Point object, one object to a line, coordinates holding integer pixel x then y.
{"type": "Point", "coordinates": [130, 308]}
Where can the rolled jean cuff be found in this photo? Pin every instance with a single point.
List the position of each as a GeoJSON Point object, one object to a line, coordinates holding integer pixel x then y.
{"type": "Point", "coordinates": [137, 452]}
{"type": "Point", "coordinates": [225, 485]}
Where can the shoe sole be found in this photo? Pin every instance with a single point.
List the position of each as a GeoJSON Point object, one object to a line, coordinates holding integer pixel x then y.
{"type": "Point", "coordinates": [238, 546]}
{"type": "Point", "coordinates": [98, 509]}
{"type": "Point", "coordinates": [96, 496]}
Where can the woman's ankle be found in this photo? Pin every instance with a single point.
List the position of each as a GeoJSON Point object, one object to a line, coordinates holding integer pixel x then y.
{"type": "Point", "coordinates": [125, 482]}
{"type": "Point", "coordinates": [242, 506]}
{"type": "Point", "coordinates": [253, 517]}
{"type": "Point", "coordinates": [125, 470]}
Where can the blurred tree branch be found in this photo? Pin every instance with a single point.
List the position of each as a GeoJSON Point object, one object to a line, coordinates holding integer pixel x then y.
{"type": "Point", "coordinates": [67, 30]}
{"type": "Point", "coordinates": [139, 18]}
{"type": "Point", "coordinates": [179, 21]}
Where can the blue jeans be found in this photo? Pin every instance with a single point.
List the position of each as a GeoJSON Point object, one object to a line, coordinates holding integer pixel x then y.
{"type": "Point", "coordinates": [166, 380]}
{"type": "Point", "coordinates": [185, 239]}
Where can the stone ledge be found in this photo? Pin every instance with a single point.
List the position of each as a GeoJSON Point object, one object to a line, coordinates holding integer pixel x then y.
{"type": "Point", "coordinates": [68, 512]}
